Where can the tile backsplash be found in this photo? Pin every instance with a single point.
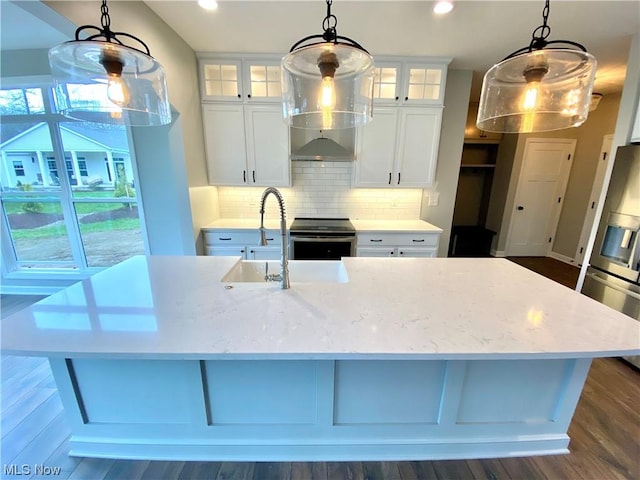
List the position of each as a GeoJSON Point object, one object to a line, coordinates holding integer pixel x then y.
{"type": "Point", "coordinates": [323, 189]}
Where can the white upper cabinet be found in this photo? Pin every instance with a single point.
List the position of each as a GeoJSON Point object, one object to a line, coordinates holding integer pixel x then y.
{"type": "Point", "coordinates": [221, 80]}
{"type": "Point", "coordinates": [267, 146]}
{"type": "Point", "coordinates": [407, 82]}
{"type": "Point", "coordinates": [232, 79]}
{"type": "Point", "coordinates": [424, 83]}
{"type": "Point", "coordinates": [387, 86]}
{"type": "Point", "coordinates": [375, 162]}
{"type": "Point", "coordinates": [246, 145]}
{"type": "Point", "coordinates": [246, 138]}
{"type": "Point", "coordinates": [399, 148]}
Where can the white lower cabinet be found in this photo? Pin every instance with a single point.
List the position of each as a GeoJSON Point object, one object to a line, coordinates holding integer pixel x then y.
{"type": "Point", "coordinates": [264, 253]}
{"type": "Point", "coordinates": [385, 244]}
{"type": "Point", "coordinates": [243, 243]}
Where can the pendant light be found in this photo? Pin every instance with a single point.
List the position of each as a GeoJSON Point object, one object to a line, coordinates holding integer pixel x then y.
{"type": "Point", "coordinates": [327, 81]}
{"type": "Point", "coordinates": [100, 79]}
{"type": "Point", "coordinates": [538, 88]}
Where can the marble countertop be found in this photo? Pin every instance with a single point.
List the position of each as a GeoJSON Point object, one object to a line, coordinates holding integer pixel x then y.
{"type": "Point", "coordinates": [398, 226]}
{"type": "Point", "coordinates": [402, 308]}
{"type": "Point", "coordinates": [360, 225]}
{"type": "Point", "coordinates": [244, 223]}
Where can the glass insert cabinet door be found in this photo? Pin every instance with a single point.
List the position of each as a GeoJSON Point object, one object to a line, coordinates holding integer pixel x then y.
{"type": "Point", "coordinates": [221, 81]}
{"type": "Point", "coordinates": [386, 83]}
{"type": "Point", "coordinates": [405, 83]}
{"type": "Point", "coordinates": [240, 80]}
{"type": "Point", "coordinates": [424, 83]}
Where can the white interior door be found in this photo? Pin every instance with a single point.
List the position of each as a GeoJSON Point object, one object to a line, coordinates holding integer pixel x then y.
{"type": "Point", "coordinates": [543, 179]}
{"type": "Point", "coordinates": [598, 184]}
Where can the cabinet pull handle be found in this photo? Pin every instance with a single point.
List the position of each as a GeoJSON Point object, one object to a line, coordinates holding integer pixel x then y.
{"type": "Point", "coordinates": [401, 252]}
{"type": "Point", "coordinates": [418, 241]}
{"type": "Point", "coordinates": [252, 251]}
{"type": "Point", "coordinates": [391, 253]}
{"type": "Point", "coordinates": [249, 96]}
{"type": "Point", "coordinates": [239, 96]}
{"type": "Point", "coordinates": [270, 239]}
{"type": "Point", "coordinates": [389, 178]}
{"type": "Point", "coordinates": [244, 176]}
{"type": "Point", "coordinates": [254, 176]}
{"type": "Point", "coordinates": [224, 239]}
{"type": "Point", "coordinates": [398, 178]}
{"type": "Point", "coordinates": [406, 98]}
{"type": "Point", "coordinates": [375, 240]}
{"type": "Point", "coordinates": [397, 98]}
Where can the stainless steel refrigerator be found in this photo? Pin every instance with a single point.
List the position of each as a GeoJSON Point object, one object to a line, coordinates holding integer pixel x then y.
{"type": "Point", "coordinates": [613, 275]}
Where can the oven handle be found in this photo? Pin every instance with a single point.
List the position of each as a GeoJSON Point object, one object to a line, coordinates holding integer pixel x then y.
{"type": "Point", "coordinates": [322, 239]}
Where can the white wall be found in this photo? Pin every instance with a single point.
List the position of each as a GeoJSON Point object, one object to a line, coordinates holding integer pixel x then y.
{"type": "Point", "coordinates": [456, 104]}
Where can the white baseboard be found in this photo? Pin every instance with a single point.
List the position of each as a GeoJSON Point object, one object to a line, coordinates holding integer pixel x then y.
{"type": "Point", "coordinates": [563, 258]}
{"type": "Point", "coordinates": [498, 253]}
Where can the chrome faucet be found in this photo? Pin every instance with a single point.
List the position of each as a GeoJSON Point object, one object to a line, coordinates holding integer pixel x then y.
{"type": "Point", "coordinates": [284, 261]}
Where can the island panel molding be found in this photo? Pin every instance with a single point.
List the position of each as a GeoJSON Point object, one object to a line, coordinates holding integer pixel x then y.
{"type": "Point", "coordinates": [318, 410]}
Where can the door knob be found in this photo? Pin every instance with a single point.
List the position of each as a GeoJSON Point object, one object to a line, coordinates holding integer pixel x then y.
{"type": "Point", "coordinates": [520, 207]}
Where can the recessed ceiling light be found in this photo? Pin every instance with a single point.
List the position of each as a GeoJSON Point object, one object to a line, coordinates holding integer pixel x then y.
{"type": "Point", "coordinates": [443, 7]}
{"type": "Point", "coordinates": [208, 4]}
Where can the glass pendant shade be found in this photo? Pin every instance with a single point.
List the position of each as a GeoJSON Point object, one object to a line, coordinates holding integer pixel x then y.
{"type": "Point", "coordinates": [327, 86]}
{"type": "Point", "coordinates": [105, 82]}
{"type": "Point", "coordinates": [539, 91]}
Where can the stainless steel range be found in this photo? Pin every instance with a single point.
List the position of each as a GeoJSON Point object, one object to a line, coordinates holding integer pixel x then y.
{"type": "Point", "coordinates": [322, 239]}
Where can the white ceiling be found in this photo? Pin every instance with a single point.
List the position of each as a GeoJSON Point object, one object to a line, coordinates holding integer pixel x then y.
{"type": "Point", "coordinates": [31, 25]}
{"type": "Point", "coordinates": [476, 34]}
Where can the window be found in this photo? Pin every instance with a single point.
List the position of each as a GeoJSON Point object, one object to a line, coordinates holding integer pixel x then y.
{"type": "Point", "coordinates": [88, 218]}
{"type": "Point", "coordinates": [27, 101]}
{"type": "Point", "coordinates": [18, 168]}
{"type": "Point", "coordinates": [53, 171]}
{"type": "Point", "coordinates": [82, 166]}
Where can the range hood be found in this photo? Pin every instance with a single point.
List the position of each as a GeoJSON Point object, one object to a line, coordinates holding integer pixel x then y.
{"type": "Point", "coordinates": [323, 148]}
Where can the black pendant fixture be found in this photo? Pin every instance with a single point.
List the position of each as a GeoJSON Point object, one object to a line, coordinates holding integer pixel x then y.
{"type": "Point", "coordinates": [101, 79]}
{"type": "Point", "coordinates": [542, 87]}
{"type": "Point", "coordinates": [327, 81]}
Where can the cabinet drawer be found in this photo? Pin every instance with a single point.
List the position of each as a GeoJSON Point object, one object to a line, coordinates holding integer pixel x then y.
{"type": "Point", "coordinates": [375, 252]}
{"type": "Point", "coordinates": [222, 238]}
{"type": "Point", "coordinates": [230, 251]}
{"type": "Point", "coordinates": [408, 252]}
{"type": "Point", "coordinates": [398, 239]}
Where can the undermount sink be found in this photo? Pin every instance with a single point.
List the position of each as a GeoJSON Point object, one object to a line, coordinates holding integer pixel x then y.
{"type": "Point", "coordinates": [300, 271]}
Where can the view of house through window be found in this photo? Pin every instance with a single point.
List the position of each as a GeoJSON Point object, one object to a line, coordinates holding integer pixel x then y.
{"type": "Point", "coordinates": [68, 189]}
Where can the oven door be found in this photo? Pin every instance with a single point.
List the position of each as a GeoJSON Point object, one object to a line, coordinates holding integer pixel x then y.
{"type": "Point", "coordinates": [321, 248]}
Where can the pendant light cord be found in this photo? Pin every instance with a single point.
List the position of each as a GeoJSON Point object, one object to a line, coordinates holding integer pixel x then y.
{"type": "Point", "coordinates": [330, 34]}
{"type": "Point", "coordinates": [540, 35]}
{"type": "Point", "coordinates": [108, 35]}
{"type": "Point", "coordinates": [329, 24]}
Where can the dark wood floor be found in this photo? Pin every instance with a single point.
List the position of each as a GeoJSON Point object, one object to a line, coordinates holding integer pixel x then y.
{"type": "Point", "coordinates": [605, 436]}
{"type": "Point", "coordinates": [551, 268]}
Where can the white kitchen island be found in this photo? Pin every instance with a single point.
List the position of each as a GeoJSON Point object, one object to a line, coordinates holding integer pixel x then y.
{"type": "Point", "coordinates": [439, 358]}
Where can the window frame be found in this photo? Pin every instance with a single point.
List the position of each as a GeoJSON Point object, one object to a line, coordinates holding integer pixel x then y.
{"type": "Point", "coordinates": [11, 267]}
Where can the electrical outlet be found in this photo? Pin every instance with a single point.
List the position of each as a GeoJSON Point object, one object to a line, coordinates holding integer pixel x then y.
{"type": "Point", "coordinates": [433, 199]}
